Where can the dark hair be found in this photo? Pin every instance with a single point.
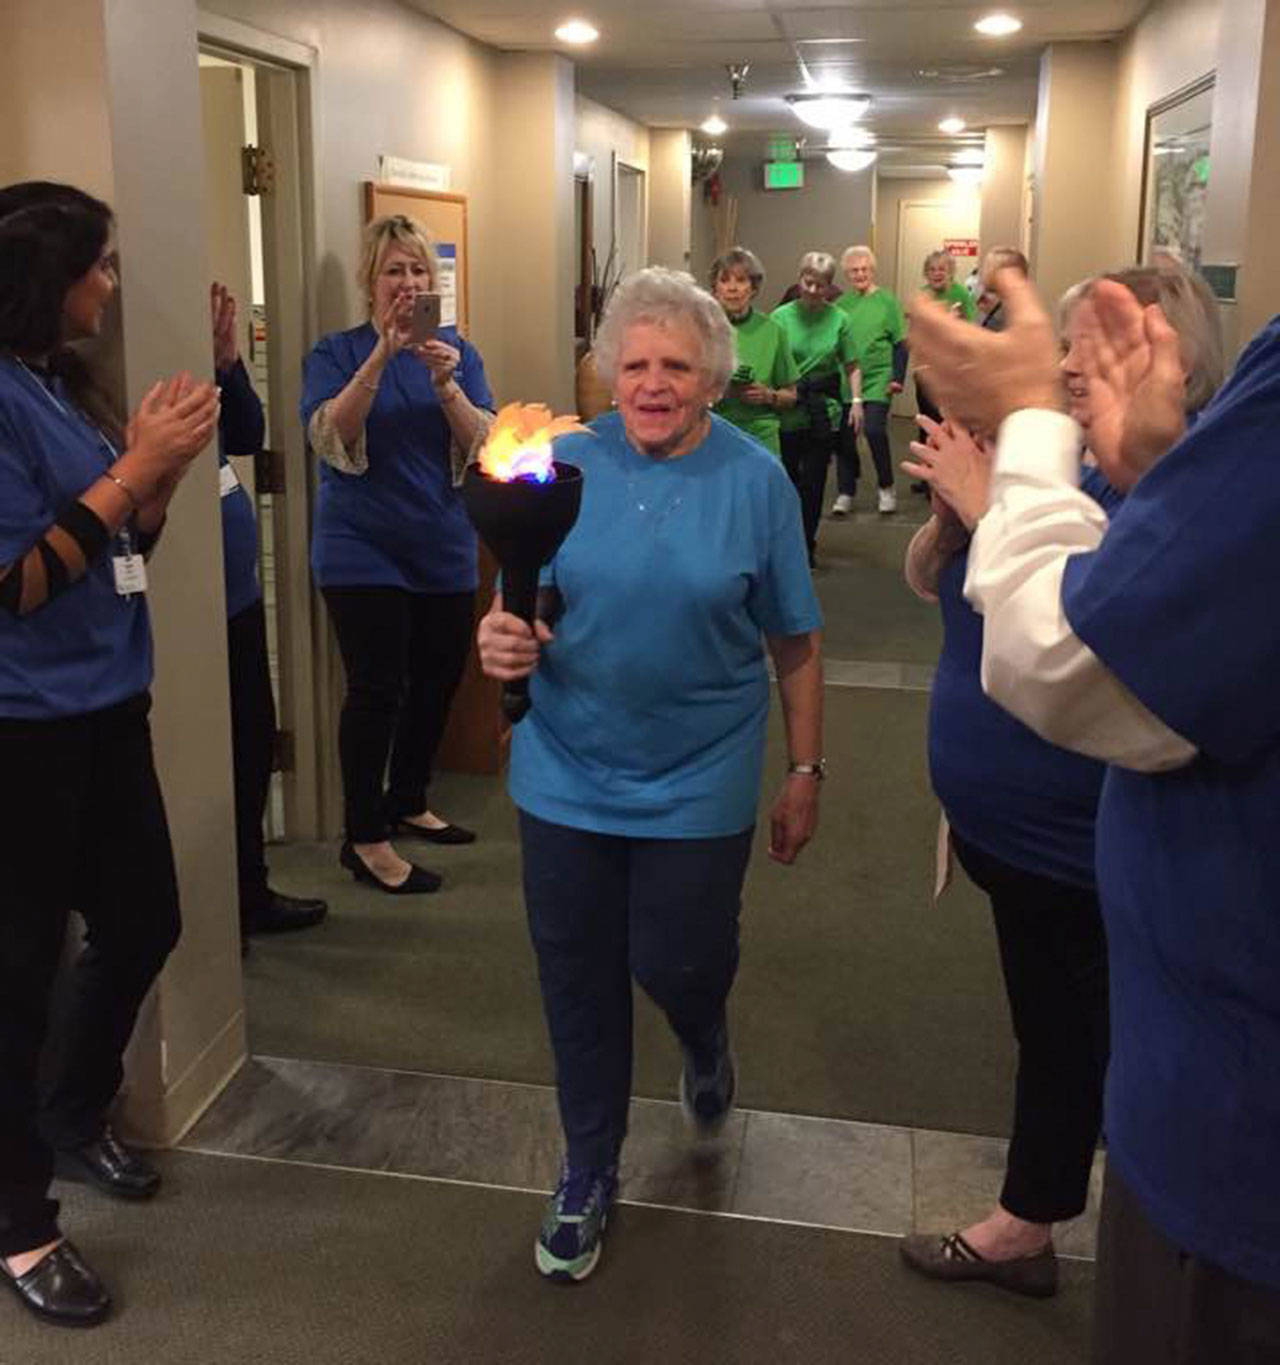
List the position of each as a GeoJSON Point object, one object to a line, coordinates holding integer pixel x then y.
{"type": "Point", "coordinates": [51, 235]}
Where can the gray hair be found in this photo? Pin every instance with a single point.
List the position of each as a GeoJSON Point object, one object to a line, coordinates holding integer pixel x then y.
{"type": "Point", "coordinates": [851, 252]}
{"type": "Point", "coordinates": [1191, 310]}
{"type": "Point", "coordinates": [738, 258]}
{"type": "Point", "coordinates": [662, 297]}
{"type": "Point", "coordinates": [946, 257]}
{"type": "Point", "coordinates": [819, 263]}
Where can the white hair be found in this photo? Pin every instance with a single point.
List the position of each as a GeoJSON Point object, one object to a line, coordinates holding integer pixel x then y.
{"type": "Point", "coordinates": [853, 252]}
{"type": "Point", "coordinates": [820, 263]}
{"type": "Point", "coordinates": [663, 297]}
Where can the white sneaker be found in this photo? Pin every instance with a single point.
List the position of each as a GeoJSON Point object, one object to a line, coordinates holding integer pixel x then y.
{"type": "Point", "coordinates": [842, 506]}
{"type": "Point", "coordinates": [888, 500]}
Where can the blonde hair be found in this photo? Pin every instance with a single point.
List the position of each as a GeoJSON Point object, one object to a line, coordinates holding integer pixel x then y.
{"type": "Point", "coordinates": [379, 236]}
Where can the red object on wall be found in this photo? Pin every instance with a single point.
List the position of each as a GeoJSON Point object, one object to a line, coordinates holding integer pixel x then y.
{"type": "Point", "coordinates": [712, 188]}
{"type": "Point", "coordinates": [960, 246]}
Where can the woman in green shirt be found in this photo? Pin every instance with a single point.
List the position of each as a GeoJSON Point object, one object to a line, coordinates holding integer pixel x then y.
{"type": "Point", "coordinates": [823, 347]}
{"type": "Point", "coordinates": [764, 382]}
{"type": "Point", "coordinates": [876, 321]}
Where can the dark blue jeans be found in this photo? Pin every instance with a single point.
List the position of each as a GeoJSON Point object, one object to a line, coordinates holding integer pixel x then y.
{"type": "Point", "coordinates": [875, 427]}
{"type": "Point", "coordinates": [602, 909]}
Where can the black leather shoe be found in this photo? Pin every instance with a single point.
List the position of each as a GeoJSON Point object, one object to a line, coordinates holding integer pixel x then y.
{"type": "Point", "coordinates": [280, 914]}
{"type": "Point", "coordinates": [446, 834]}
{"type": "Point", "coordinates": [61, 1288]}
{"type": "Point", "coordinates": [111, 1166]}
{"type": "Point", "coordinates": [419, 882]}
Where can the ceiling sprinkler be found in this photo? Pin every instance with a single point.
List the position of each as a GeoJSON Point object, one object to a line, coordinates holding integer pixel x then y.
{"type": "Point", "coordinates": [737, 75]}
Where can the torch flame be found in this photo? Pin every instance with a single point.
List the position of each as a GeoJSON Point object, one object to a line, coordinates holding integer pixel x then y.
{"type": "Point", "coordinates": [519, 442]}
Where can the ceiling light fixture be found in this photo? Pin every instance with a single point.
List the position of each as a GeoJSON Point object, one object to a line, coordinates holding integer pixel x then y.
{"type": "Point", "coordinates": [969, 156]}
{"type": "Point", "coordinates": [998, 25]}
{"type": "Point", "coordinates": [952, 125]}
{"type": "Point", "coordinates": [829, 111]}
{"type": "Point", "coordinates": [966, 175]}
{"type": "Point", "coordinates": [578, 32]}
{"type": "Point", "coordinates": [851, 160]}
{"type": "Point", "coordinates": [714, 126]}
{"type": "Point", "coordinates": [851, 139]}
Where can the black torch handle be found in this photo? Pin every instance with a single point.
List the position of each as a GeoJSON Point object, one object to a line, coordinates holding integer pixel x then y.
{"type": "Point", "coordinates": [520, 598]}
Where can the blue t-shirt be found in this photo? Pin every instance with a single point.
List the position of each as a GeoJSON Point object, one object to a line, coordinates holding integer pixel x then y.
{"type": "Point", "coordinates": [649, 708]}
{"type": "Point", "coordinates": [88, 647]}
{"type": "Point", "coordinates": [401, 524]}
{"type": "Point", "coordinates": [1180, 602]}
{"type": "Point", "coordinates": [1004, 789]}
{"type": "Point", "coordinates": [240, 432]}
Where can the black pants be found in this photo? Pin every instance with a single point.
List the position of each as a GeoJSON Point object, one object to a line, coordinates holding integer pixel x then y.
{"type": "Point", "coordinates": [404, 654]}
{"type": "Point", "coordinates": [1155, 1304]}
{"type": "Point", "coordinates": [253, 731]}
{"type": "Point", "coordinates": [601, 909]}
{"type": "Point", "coordinates": [875, 427]}
{"type": "Point", "coordinates": [806, 455]}
{"type": "Point", "coordinates": [82, 826]}
{"type": "Point", "coordinates": [1054, 954]}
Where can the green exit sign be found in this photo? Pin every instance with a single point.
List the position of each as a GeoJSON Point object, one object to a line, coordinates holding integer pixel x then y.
{"type": "Point", "coordinates": [784, 175]}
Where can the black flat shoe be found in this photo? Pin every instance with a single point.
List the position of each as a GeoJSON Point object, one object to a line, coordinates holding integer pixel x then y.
{"type": "Point", "coordinates": [61, 1288]}
{"type": "Point", "coordinates": [446, 834]}
{"type": "Point", "coordinates": [111, 1166]}
{"type": "Point", "coordinates": [951, 1258]}
{"type": "Point", "coordinates": [280, 914]}
{"type": "Point", "coordinates": [420, 881]}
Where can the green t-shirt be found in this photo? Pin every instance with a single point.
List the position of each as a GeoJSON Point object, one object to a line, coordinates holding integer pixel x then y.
{"type": "Point", "coordinates": [762, 349]}
{"type": "Point", "coordinates": [877, 324]}
{"type": "Point", "coordinates": [822, 344]}
{"type": "Point", "coordinates": [955, 293]}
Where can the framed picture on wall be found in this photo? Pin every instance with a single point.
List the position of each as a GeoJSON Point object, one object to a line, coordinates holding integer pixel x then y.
{"type": "Point", "coordinates": [1175, 178]}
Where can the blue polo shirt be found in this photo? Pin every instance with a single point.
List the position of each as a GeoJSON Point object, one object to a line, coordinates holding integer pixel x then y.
{"type": "Point", "coordinates": [88, 647]}
{"type": "Point", "coordinates": [1004, 789]}
{"type": "Point", "coordinates": [401, 524]}
{"type": "Point", "coordinates": [649, 708]}
{"type": "Point", "coordinates": [1180, 603]}
{"type": "Point", "coordinates": [240, 432]}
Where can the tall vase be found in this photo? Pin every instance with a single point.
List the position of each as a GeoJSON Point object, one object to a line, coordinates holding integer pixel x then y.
{"type": "Point", "coordinates": [591, 393]}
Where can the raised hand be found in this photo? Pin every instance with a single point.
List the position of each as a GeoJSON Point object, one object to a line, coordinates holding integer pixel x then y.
{"type": "Point", "coordinates": [1132, 362]}
{"type": "Point", "coordinates": [440, 358]}
{"type": "Point", "coordinates": [982, 376]}
{"type": "Point", "coordinates": [393, 322]}
{"type": "Point", "coordinates": [222, 311]}
{"type": "Point", "coordinates": [956, 466]}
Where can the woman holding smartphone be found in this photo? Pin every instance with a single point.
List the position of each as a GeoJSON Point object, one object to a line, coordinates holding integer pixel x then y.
{"type": "Point", "coordinates": [388, 407]}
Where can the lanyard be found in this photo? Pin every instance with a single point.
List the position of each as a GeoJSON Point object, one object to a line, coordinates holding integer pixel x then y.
{"type": "Point", "coordinates": [125, 534]}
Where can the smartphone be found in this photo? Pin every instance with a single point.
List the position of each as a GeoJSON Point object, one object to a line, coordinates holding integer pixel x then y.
{"type": "Point", "coordinates": [424, 321]}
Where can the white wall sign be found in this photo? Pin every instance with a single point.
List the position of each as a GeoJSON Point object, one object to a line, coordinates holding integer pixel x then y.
{"type": "Point", "coordinates": [447, 254]}
{"type": "Point", "coordinates": [418, 175]}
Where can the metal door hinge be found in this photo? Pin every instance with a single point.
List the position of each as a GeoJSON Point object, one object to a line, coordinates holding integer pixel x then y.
{"type": "Point", "coordinates": [257, 170]}
{"type": "Point", "coordinates": [283, 752]}
{"type": "Point", "coordinates": [268, 472]}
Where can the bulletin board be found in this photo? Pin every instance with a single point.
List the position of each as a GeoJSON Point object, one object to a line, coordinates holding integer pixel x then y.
{"type": "Point", "coordinates": [445, 218]}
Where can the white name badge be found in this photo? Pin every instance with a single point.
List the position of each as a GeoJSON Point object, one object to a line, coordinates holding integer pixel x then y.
{"type": "Point", "coordinates": [227, 481]}
{"type": "Point", "coordinates": [131, 574]}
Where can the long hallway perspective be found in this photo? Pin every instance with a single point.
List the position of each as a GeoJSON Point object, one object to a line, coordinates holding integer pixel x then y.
{"type": "Point", "coordinates": [369, 1186]}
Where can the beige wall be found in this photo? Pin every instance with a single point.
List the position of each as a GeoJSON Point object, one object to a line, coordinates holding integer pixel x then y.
{"type": "Point", "coordinates": [1073, 224]}
{"type": "Point", "coordinates": [833, 211]}
{"type": "Point", "coordinates": [1004, 189]}
{"type": "Point", "coordinates": [670, 198]}
{"type": "Point", "coordinates": [129, 136]}
{"type": "Point", "coordinates": [601, 134]}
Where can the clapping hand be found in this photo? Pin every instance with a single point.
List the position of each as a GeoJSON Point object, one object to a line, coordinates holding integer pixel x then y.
{"type": "Point", "coordinates": [1132, 363]}
{"type": "Point", "coordinates": [956, 466]}
{"type": "Point", "coordinates": [222, 310]}
{"type": "Point", "coordinates": [171, 426]}
{"type": "Point", "coordinates": [981, 376]}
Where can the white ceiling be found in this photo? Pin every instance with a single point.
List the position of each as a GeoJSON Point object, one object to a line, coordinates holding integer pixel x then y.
{"type": "Point", "coordinates": [663, 64]}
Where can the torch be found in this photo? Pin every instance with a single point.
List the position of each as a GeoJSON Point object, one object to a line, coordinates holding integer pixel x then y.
{"type": "Point", "coordinates": [523, 503]}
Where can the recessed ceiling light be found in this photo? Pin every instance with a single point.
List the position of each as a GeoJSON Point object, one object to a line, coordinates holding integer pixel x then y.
{"type": "Point", "coordinates": [578, 32]}
{"type": "Point", "coordinates": [850, 160]}
{"type": "Point", "coordinates": [829, 111]}
{"type": "Point", "coordinates": [714, 126]}
{"type": "Point", "coordinates": [998, 25]}
{"type": "Point", "coordinates": [952, 125]}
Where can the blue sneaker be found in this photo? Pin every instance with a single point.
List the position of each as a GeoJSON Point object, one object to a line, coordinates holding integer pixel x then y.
{"type": "Point", "coordinates": [572, 1234]}
{"type": "Point", "coordinates": [708, 1083]}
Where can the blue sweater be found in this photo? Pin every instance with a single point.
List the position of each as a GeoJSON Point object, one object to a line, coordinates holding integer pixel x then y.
{"type": "Point", "coordinates": [401, 524]}
{"type": "Point", "coordinates": [1004, 789]}
{"type": "Point", "coordinates": [1180, 603]}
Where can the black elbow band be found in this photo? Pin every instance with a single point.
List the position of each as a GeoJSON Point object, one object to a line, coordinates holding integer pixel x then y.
{"type": "Point", "coordinates": [11, 590]}
{"type": "Point", "coordinates": [56, 574]}
{"type": "Point", "coordinates": [86, 528]}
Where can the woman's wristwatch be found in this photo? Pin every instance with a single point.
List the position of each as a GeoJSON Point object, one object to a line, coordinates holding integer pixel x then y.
{"type": "Point", "coordinates": [816, 770]}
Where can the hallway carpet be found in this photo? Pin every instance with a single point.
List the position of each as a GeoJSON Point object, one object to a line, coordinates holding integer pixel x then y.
{"type": "Point", "coordinates": [243, 1261]}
